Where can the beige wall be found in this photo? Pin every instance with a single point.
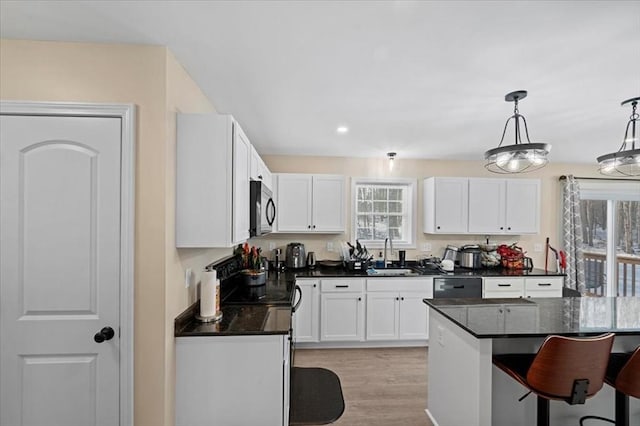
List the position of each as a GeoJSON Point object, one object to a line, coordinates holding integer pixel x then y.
{"type": "Point", "coordinates": [419, 169]}
{"type": "Point", "coordinates": [150, 78]}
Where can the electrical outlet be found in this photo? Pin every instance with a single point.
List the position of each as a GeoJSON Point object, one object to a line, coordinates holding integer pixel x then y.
{"type": "Point", "coordinates": [272, 246]}
{"type": "Point", "coordinates": [426, 246]}
{"type": "Point", "coordinates": [329, 245]}
{"type": "Point", "coordinates": [187, 277]}
{"type": "Point", "coordinates": [537, 247]}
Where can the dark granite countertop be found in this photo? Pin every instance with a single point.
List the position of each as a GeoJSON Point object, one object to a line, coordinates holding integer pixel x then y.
{"type": "Point", "coordinates": [251, 319]}
{"type": "Point", "coordinates": [567, 316]}
{"type": "Point", "coordinates": [237, 320]}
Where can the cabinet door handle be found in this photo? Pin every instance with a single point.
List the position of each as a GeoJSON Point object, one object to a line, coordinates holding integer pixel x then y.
{"type": "Point", "coordinates": [402, 298]}
{"type": "Point", "coordinates": [508, 310]}
{"type": "Point", "coordinates": [359, 299]}
{"type": "Point", "coordinates": [509, 228]}
{"type": "Point", "coordinates": [260, 177]}
{"type": "Point", "coordinates": [397, 298]}
{"type": "Point", "coordinates": [342, 286]}
{"type": "Point", "coordinates": [437, 227]}
{"type": "Point", "coordinates": [500, 310]}
{"type": "Point", "coordinates": [504, 285]}
{"type": "Point", "coordinates": [544, 284]}
{"type": "Point", "coordinates": [315, 285]}
{"type": "Point", "coordinates": [314, 227]}
{"type": "Point", "coordinates": [502, 228]}
{"type": "Point", "coordinates": [308, 226]}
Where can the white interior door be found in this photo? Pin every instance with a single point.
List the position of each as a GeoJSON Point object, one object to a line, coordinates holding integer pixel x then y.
{"type": "Point", "coordinates": [60, 270]}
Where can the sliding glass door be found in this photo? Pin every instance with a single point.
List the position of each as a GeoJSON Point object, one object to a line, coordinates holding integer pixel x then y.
{"type": "Point", "coordinates": [611, 244]}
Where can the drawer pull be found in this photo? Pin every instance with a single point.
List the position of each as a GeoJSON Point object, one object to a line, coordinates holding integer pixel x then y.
{"type": "Point", "coordinates": [504, 285]}
{"type": "Point", "coordinates": [459, 286]}
{"type": "Point", "coordinates": [544, 284]}
{"type": "Point", "coordinates": [342, 286]}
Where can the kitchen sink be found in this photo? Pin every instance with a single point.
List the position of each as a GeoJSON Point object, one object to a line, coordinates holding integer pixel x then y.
{"type": "Point", "coordinates": [392, 272]}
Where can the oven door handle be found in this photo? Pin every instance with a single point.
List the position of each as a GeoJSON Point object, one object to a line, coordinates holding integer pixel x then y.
{"type": "Point", "coordinates": [297, 304]}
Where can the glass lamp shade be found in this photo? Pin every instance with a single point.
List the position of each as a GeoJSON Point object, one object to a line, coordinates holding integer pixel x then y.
{"type": "Point", "coordinates": [518, 158]}
{"type": "Point", "coordinates": [621, 163]}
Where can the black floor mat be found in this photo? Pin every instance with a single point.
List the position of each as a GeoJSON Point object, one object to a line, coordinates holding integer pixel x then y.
{"type": "Point", "coordinates": [316, 397]}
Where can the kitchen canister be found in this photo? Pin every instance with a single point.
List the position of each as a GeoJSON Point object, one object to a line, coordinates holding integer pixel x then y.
{"type": "Point", "coordinates": [209, 297]}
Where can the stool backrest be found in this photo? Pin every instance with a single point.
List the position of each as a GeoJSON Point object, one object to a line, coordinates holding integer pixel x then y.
{"type": "Point", "coordinates": [628, 379]}
{"type": "Point", "coordinates": [562, 360]}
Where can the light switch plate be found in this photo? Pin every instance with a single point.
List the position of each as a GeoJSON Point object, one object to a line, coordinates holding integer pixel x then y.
{"type": "Point", "coordinates": [426, 246]}
{"type": "Point", "coordinates": [329, 245]}
{"type": "Point", "coordinates": [537, 247]}
{"type": "Point", "coordinates": [272, 246]}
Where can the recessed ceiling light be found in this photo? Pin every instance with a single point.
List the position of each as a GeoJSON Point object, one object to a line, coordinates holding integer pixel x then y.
{"type": "Point", "coordinates": [342, 129]}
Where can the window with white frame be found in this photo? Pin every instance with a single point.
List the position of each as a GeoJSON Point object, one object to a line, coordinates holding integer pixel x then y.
{"type": "Point", "coordinates": [384, 208]}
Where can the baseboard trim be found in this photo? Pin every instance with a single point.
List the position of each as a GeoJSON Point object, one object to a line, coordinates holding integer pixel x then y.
{"type": "Point", "coordinates": [362, 345]}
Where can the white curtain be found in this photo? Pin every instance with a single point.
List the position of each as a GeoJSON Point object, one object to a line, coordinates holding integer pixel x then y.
{"type": "Point", "coordinates": [572, 234]}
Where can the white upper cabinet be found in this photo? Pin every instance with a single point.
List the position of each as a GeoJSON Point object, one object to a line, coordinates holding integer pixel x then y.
{"type": "Point", "coordinates": [482, 206]}
{"type": "Point", "coordinates": [523, 206]}
{"type": "Point", "coordinates": [212, 181]}
{"type": "Point", "coordinates": [258, 170]}
{"type": "Point", "coordinates": [310, 203]}
{"type": "Point", "coordinates": [487, 204]}
{"type": "Point", "coordinates": [445, 205]}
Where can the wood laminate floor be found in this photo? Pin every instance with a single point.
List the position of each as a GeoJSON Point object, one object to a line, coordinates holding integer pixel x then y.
{"type": "Point", "coordinates": [381, 387]}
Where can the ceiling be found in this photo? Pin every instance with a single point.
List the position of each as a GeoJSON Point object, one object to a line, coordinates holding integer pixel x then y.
{"type": "Point", "coordinates": [426, 79]}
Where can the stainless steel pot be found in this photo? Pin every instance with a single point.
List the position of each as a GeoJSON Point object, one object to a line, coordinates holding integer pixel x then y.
{"type": "Point", "coordinates": [470, 257]}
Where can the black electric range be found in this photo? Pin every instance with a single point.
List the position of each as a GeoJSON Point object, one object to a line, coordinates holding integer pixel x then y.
{"type": "Point", "coordinates": [276, 290]}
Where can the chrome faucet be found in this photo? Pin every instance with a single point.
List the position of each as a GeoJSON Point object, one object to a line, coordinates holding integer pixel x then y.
{"type": "Point", "coordinates": [390, 240]}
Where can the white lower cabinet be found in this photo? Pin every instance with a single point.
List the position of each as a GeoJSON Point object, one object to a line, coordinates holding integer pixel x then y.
{"type": "Point", "coordinates": [218, 377]}
{"type": "Point", "coordinates": [543, 286]}
{"type": "Point", "coordinates": [306, 318]}
{"type": "Point", "coordinates": [395, 309]}
{"type": "Point", "coordinates": [511, 287]}
{"type": "Point", "coordinates": [502, 318]}
{"type": "Point", "coordinates": [342, 307]}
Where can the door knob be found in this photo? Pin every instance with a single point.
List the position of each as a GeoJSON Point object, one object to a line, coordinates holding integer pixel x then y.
{"type": "Point", "coordinates": [106, 333]}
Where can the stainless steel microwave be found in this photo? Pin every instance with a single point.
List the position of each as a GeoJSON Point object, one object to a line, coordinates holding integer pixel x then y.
{"type": "Point", "coordinates": [263, 209]}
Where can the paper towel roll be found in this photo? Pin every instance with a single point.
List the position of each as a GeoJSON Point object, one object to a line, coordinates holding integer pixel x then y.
{"type": "Point", "coordinates": [209, 286]}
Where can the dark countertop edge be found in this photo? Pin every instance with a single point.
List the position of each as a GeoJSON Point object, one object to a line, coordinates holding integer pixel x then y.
{"type": "Point", "coordinates": [339, 272]}
{"type": "Point", "coordinates": [235, 333]}
{"type": "Point", "coordinates": [516, 335]}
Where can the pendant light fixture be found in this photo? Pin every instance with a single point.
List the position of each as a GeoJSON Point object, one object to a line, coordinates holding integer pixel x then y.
{"type": "Point", "coordinates": [624, 162]}
{"type": "Point", "coordinates": [392, 157]}
{"type": "Point", "coordinates": [519, 157]}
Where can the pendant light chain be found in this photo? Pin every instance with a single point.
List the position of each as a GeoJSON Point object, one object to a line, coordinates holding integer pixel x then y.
{"type": "Point", "coordinates": [632, 120]}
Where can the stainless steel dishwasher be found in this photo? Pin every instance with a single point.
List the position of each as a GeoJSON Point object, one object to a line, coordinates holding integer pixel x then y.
{"type": "Point", "coordinates": [457, 287]}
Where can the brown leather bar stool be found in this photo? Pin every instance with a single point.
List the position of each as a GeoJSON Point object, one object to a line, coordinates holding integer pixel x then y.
{"type": "Point", "coordinates": [565, 369]}
{"type": "Point", "coordinates": [623, 374]}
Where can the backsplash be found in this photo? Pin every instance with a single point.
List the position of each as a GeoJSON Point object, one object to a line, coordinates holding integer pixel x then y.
{"type": "Point", "coordinates": [318, 245]}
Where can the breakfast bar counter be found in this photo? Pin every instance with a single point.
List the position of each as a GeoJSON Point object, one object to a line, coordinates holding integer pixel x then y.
{"type": "Point", "coordinates": [466, 389]}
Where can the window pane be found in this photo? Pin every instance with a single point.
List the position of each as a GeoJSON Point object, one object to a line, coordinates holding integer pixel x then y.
{"type": "Point", "coordinates": [380, 206]}
{"type": "Point", "coordinates": [380, 227]}
{"type": "Point", "coordinates": [364, 234]}
{"type": "Point", "coordinates": [594, 235]}
{"type": "Point", "coordinates": [627, 247]}
{"type": "Point", "coordinates": [364, 207]}
{"type": "Point", "coordinates": [396, 234]}
{"type": "Point", "coordinates": [364, 193]}
{"type": "Point", "coordinates": [364, 221]}
{"type": "Point", "coordinates": [395, 221]}
{"type": "Point", "coordinates": [380, 194]}
{"type": "Point", "coordinates": [395, 194]}
{"type": "Point", "coordinates": [395, 207]}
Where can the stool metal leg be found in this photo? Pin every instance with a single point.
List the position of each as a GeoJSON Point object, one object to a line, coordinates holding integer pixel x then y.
{"type": "Point", "coordinates": [543, 411]}
{"type": "Point", "coordinates": [622, 409]}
